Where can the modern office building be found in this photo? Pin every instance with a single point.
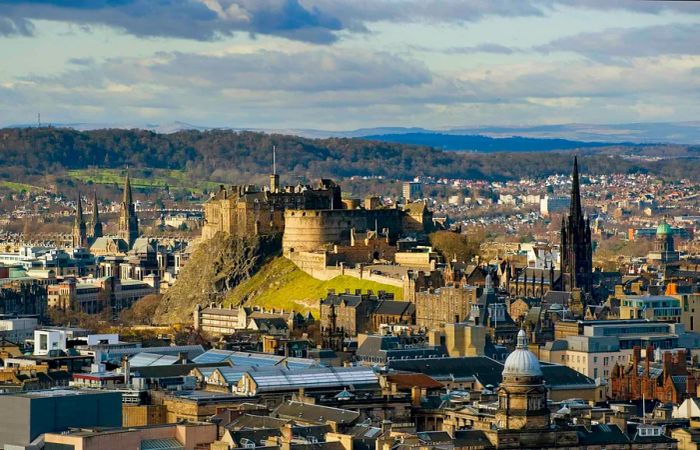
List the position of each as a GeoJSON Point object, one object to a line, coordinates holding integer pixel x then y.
{"type": "Point", "coordinates": [25, 416]}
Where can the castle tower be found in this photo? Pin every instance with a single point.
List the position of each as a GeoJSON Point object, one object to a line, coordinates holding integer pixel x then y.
{"type": "Point", "coordinates": [522, 396]}
{"type": "Point", "coordinates": [95, 223]}
{"type": "Point", "coordinates": [274, 178]}
{"type": "Point", "coordinates": [576, 250]}
{"type": "Point", "coordinates": [79, 227]}
{"type": "Point", "coordinates": [128, 222]}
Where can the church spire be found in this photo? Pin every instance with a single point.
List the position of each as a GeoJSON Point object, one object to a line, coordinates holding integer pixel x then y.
{"type": "Point", "coordinates": [79, 220]}
{"type": "Point", "coordinates": [127, 199]}
{"type": "Point", "coordinates": [95, 222]}
{"type": "Point", "coordinates": [575, 209]}
{"type": "Point", "coordinates": [79, 227]}
{"type": "Point", "coordinates": [128, 222]}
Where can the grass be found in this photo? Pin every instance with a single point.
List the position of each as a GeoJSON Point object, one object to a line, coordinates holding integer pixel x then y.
{"type": "Point", "coordinates": [19, 187]}
{"type": "Point", "coordinates": [281, 284]}
{"type": "Point", "coordinates": [159, 179]}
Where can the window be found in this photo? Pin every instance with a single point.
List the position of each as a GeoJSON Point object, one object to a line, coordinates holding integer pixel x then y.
{"type": "Point", "coordinates": [595, 372]}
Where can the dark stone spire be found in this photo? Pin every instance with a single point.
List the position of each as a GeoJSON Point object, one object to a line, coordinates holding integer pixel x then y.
{"type": "Point", "coordinates": [127, 198]}
{"type": "Point", "coordinates": [575, 208]}
{"type": "Point", "coordinates": [95, 222]}
{"type": "Point", "coordinates": [79, 227]}
{"type": "Point", "coordinates": [576, 248]}
{"type": "Point", "coordinates": [128, 222]}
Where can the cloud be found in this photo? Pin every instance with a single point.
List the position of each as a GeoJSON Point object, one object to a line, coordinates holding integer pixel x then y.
{"type": "Point", "coordinates": [190, 19]}
{"type": "Point", "coordinates": [625, 43]}
{"type": "Point", "coordinates": [315, 21]}
{"type": "Point", "coordinates": [15, 27]}
{"type": "Point", "coordinates": [305, 71]}
{"type": "Point", "coordinates": [482, 48]}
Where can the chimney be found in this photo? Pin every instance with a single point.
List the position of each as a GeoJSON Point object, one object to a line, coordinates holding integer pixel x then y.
{"type": "Point", "coordinates": [416, 394]}
{"type": "Point", "coordinates": [647, 361]}
{"type": "Point", "coordinates": [126, 369]}
{"type": "Point", "coordinates": [287, 433]}
{"type": "Point", "coordinates": [668, 362]}
{"type": "Point", "coordinates": [680, 359]}
{"type": "Point", "coordinates": [182, 358]}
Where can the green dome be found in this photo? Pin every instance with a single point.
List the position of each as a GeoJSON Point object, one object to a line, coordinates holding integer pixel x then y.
{"type": "Point", "coordinates": [663, 228]}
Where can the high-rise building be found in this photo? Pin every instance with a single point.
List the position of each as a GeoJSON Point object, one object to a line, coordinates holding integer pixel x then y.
{"type": "Point", "coordinates": [576, 250]}
{"type": "Point", "coordinates": [128, 221]}
{"type": "Point", "coordinates": [411, 191]}
{"type": "Point", "coordinates": [79, 227]}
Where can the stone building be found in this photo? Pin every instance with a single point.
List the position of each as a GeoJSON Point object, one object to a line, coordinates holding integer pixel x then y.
{"type": "Point", "coordinates": [310, 230]}
{"type": "Point", "coordinates": [576, 250]}
{"type": "Point", "coordinates": [355, 313]}
{"type": "Point", "coordinates": [449, 304]}
{"type": "Point", "coordinates": [522, 396]}
{"type": "Point", "coordinates": [668, 380]}
{"type": "Point", "coordinates": [128, 220]}
{"type": "Point", "coordinates": [249, 210]}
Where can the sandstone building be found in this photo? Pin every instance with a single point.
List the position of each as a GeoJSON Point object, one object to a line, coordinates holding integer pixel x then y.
{"type": "Point", "coordinates": [249, 210]}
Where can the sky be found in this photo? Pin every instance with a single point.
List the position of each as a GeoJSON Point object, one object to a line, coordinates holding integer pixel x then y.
{"type": "Point", "coordinates": [346, 64]}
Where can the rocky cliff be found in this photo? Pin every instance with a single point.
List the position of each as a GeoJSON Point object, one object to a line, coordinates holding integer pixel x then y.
{"type": "Point", "coordinates": [215, 267]}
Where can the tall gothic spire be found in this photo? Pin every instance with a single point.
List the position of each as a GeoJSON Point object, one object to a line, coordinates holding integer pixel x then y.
{"type": "Point", "coordinates": [127, 199]}
{"type": "Point", "coordinates": [79, 220]}
{"type": "Point", "coordinates": [575, 209]}
{"type": "Point", "coordinates": [95, 222]}
{"type": "Point", "coordinates": [128, 222]}
{"type": "Point", "coordinates": [79, 227]}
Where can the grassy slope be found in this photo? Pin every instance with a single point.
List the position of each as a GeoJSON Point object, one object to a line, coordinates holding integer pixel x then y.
{"type": "Point", "coordinates": [281, 284]}
{"type": "Point", "coordinates": [18, 187]}
{"type": "Point", "coordinates": [160, 178]}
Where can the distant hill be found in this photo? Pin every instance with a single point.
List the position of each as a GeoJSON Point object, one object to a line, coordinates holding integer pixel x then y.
{"type": "Point", "coordinates": [244, 156]}
{"type": "Point", "coordinates": [684, 133]}
{"type": "Point", "coordinates": [485, 144]}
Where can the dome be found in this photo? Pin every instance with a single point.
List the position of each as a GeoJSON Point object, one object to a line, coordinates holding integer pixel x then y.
{"type": "Point", "coordinates": [663, 228]}
{"type": "Point", "coordinates": [522, 362]}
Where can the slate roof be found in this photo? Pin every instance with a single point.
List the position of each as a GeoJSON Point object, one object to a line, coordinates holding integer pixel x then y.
{"type": "Point", "coordinates": [600, 435]}
{"type": "Point", "coordinates": [481, 368]}
{"type": "Point", "coordinates": [559, 297]}
{"type": "Point", "coordinates": [434, 437]}
{"type": "Point", "coordinates": [556, 375]}
{"type": "Point", "coordinates": [317, 414]}
{"type": "Point", "coordinates": [471, 438]}
{"type": "Point", "coordinates": [485, 370]}
{"type": "Point", "coordinates": [390, 347]}
{"type": "Point", "coordinates": [395, 308]}
{"type": "Point", "coordinates": [252, 421]}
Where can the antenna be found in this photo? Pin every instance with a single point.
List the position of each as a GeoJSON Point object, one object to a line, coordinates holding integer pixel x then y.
{"type": "Point", "coordinates": [38, 120]}
{"type": "Point", "coordinates": [274, 160]}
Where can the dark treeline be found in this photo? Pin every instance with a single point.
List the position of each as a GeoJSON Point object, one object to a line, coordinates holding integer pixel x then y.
{"type": "Point", "coordinates": [230, 155]}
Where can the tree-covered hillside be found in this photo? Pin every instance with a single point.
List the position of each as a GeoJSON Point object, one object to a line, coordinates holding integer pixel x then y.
{"type": "Point", "coordinates": [240, 157]}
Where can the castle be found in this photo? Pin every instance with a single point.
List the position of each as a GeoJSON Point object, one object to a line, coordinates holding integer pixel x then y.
{"type": "Point", "coordinates": [310, 218]}
{"type": "Point", "coordinates": [249, 210]}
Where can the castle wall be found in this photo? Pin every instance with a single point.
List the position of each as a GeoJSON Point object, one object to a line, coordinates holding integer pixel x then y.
{"type": "Point", "coordinates": [313, 230]}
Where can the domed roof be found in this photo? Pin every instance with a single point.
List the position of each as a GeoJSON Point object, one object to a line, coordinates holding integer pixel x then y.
{"type": "Point", "coordinates": [522, 362]}
{"type": "Point", "coordinates": [663, 228]}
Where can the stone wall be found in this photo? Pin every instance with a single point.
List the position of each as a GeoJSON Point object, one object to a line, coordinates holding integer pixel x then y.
{"type": "Point", "coordinates": [312, 230]}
